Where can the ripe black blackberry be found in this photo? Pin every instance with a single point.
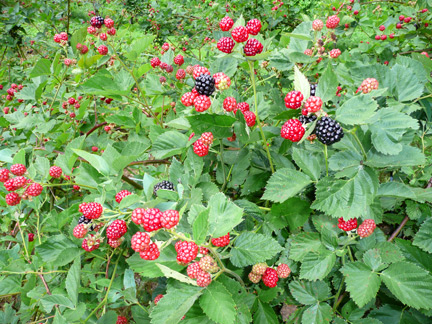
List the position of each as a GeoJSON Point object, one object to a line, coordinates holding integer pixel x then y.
{"type": "Point", "coordinates": [307, 119]}
{"type": "Point", "coordinates": [313, 88]}
{"type": "Point", "coordinates": [167, 185]}
{"type": "Point", "coordinates": [205, 85]}
{"type": "Point", "coordinates": [85, 220]}
{"type": "Point", "coordinates": [328, 131]}
{"type": "Point", "coordinates": [97, 21]}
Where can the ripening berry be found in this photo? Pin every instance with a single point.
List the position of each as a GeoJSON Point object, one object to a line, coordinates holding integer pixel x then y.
{"type": "Point", "coordinates": [200, 148]}
{"type": "Point", "coordinates": [207, 138]}
{"type": "Point", "coordinates": [193, 270]}
{"type": "Point", "coordinates": [366, 228]}
{"type": "Point", "coordinates": [259, 268]}
{"type": "Point", "coordinates": [103, 50]}
{"type": "Point", "coordinates": [169, 218]}
{"type": "Point", "coordinates": [140, 241]}
{"type": "Point", "coordinates": [334, 53]}
{"type": "Point", "coordinates": [202, 103]}
{"type": "Point", "coordinates": [348, 225]}
{"type": "Point", "coordinates": [204, 279]}
{"type": "Point", "coordinates": [293, 130]}
{"type": "Point", "coordinates": [255, 278]}
{"type": "Point", "coordinates": [120, 195]}
{"type": "Point", "coordinates": [34, 190]}
{"type": "Point", "coordinates": [230, 104]}
{"type": "Point", "coordinates": [250, 118]}
{"type": "Point", "coordinates": [226, 23]}
{"type": "Point", "coordinates": [294, 99]}
{"type": "Point", "coordinates": [240, 34]}
{"type": "Point", "coordinates": [368, 85]}
{"type": "Point", "coordinates": [270, 278]}
{"type": "Point", "coordinates": [12, 199]}
{"type": "Point", "coordinates": [186, 251]}
{"type": "Point", "coordinates": [151, 253]}
{"type": "Point", "coordinates": [253, 26]}
{"type": "Point", "coordinates": [80, 231]}
{"type": "Point", "coordinates": [332, 22]}
{"type": "Point", "coordinates": [18, 169]}
{"type": "Point", "coordinates": [317, 25]}
{"type": "Point", "coordinates": [116, 229]}
{"type": "Point", "coordinates": [225, 45]}
{"type": "Point", "coordinates": [313, 104]}
{"type": "Point", "coordinates": [283, 271]}
{"type": "Point", "coordinates": [188, 98]}
{"type": "Point", "coordinates": [221, 241]}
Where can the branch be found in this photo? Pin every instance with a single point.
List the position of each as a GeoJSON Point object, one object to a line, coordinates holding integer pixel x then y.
{"type": "Point", "coordinates": [131, 182]}
{"type": "Point", "coordinates": [95, 127]}
{"type": "Point", "coordinates": [416, 51]}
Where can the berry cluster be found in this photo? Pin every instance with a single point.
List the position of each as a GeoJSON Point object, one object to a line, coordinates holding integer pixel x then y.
{"type": "Point", "coordinates": [70, 105]}
{"type": "Point", "coordinates": [269, 275]}
{"type": "Point", "coordinates": [10, 94]}
{"type": "Point", "coordinates": [366, 228]}
{"type": "Point", "coordinates": [95, 28]}
{"type": "Point", "coordinates": [61, 38]}
{"type": "Point", "coordinates": [348, 225]}
{"type": "Point", "coordinates": [202, 145]}
{"type": "Point", "coordinates": [202, 270]}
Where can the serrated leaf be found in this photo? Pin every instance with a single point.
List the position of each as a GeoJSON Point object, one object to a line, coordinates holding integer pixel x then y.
{"type": "Point", "coordinates": [326, 84]}
{"type": "Point", "coordinates": [58, 250]}
{"type": "Point", "coordinates": [219, 125]}
{"type": "Point", "coordinates": [224, 215]}
{"type": "Point", "coordinates": [347, 198]}
{"type": "Point", "coordinates": [251, 248]}
{"type": "Point", "coordinates": [95, 161]}
{"type": "Point", "coordinates": [308, 162]}
{"type": "Point", "coordinates": [357, 110]}
{"type": "Point", "coordinates": [309, 292]}
{"type": "Point", "coordinates": [361, 282]}
{"type": "Point", "coordinates": [304, 243]}
{"type": "Point", "coordinates": [285, 183]}
{"type": "Point", "coordinates": [319, 313]}
{"type": "Point", "coordinates": [423, 238]}
{"type": "Point", "coordinates": [73, 281]}
{"type": "Point", "coordinates": [372, 259]}
{"type": "Point", "coordinates": [389, 252]}
{"type": "Point", "coordinates": [200, 227]}
{"type": "Point", "coordinates": [42, 67]}
{"type": "Point", "coordinates": [109, 317]}
{"type": "Point", "coordinates": [265, 314]}
{"type": "Point", "coordinates": [411, 284]}
{"type": "Point", "coordinates": [317, 265]}
{"type": "Point", "coordinates": [215, 299]}
{"type": "Point", "coordinates": [407, 84]}
{"type": "Point", "coordinates": [183, 296]}
{"type": "Point", "coordinates": [301, 83]}
{"type": "Point", "coordinates": [408, 156]}
{"type": "Point", "coordinates": [168, 144]}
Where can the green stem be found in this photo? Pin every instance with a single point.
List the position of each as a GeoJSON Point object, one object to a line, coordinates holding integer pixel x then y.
{"type": "Point", "coordinates": [227, 178]}
{"type": "Point", "coordinates": [336, 302]}
{"type": "Point", "coordinates": [360, 144]}
{"type": "Point", "coordinates": [221, 265]}
{"type": "Point", "coordinates": [252, 76]}
{"type": "Point", "coordinates": [326, 159]}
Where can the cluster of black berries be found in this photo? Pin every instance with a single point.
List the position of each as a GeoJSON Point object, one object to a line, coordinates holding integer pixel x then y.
{"type": "Point", "coordinates": [84, 220]}
{"type": "Point", "coordinates": [307, 119]}
{"type": "Point", "coordinates": [205, 85]}
{"type": "Point", "coordinates": [166, 185]}
{"type": "Point", "coordinates": [313, 88]}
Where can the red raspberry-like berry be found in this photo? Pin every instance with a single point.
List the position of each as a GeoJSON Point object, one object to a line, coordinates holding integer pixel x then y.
{"type": "Point", "coordinates": [4, 175]}
{"type": "Point", "coordinates": [252, 47]}
{"type": "Point", "coordinates": [383, 37]}
{"type": "Point", "coordinates": [221, 241]}
{"type": "Point", "coordinates": [189, 69]}
{"type": "Point", "coordinates": [204, 279]}
{"type": "Point", "coordinates": [243, 106]}
{"type": "Point", "coordinates": [255, 278]}
{"type": "Point", "coordinates": [30, 237]}
{"type": "Point", "coordinates": [226, 23]}
{"type": "Point", "coordinates": [55, 172]}
{"type": "Point", "coordinates": [253, 26]}
{"type": "Point", "coordinates": [151, 253]}
{"type": "Point", "coordinates": [334, 53]}
{"type": "Point", "coordinates": [116, 229]}
{"type": "Point", "coordinates": [317, 25]}
{"type": "Point", "coordinates": [382, 28]}
{"type": "Point", "coordinates": [19, 182]}
{"type": "Point", "coordinates": [71, 101]}
{"type": "Point", "coordinates": [169, 68]}
{"type": "Point", "coordinates": [103, 36]}
{"type": "Point", "coordinates": [165, 47]}
{"type": "Point", "coordinates": [34, 190]}
{"type": "Point", "coordinates": [103, 50]}
{"type": "Point", "coordinates": [115, 243]}
{"type": "Point", "coordinates": [79, 231]}
{"type": "Point", "coordinates": [138, 216]}
{"type": "Point", "coordinates": [348, 225]}
{"type": "Point", "coordinates": [225, 45]}
{"type": "Point", "coordinates": [193, 270]}
{"type": "Point", "coordinates": [140, 241]}
{"type": "Point", "coordinates": [198, 70]}
{"type": "Point", "coordinates": [91, 243]}
{"type": "Point", "coordinates": [270, 278]}
{"type": "Point", "coordinates": [109, 22]}
{"type": "Point", "coordinates": [208, 264]}
{"type": "Point", "coordinates": [250, 118]}
{"type": "Point", "coordinates": [313, 104]}
{"type": "Point", "coordinates": [367, 85]}
{"type": "Point", "coordinates": [203, 250]}
{"type": "Point", "coordinates": [283, 271]}
{"type": "Point", "coordinates": [188, 98]}
{"type": "Point", "coordinates": [120, 319]}
{"type": "Point", "coordinates": [10, 185]}
{"type": "Point", "coordinates": [57, 38]}
{"type": "Point", "coordinates": [120, 195]}
{"type": "Point", "coordinates": [200, 148]}
{"type": "Point", "coordinates": [91, 210]}
{"type": "Point", "coordinates": [179, 60]}
{"type": "Point", "coordinates": [12, 199]}
{"type": "Point", "coordinates": [18, 169]}
{"type": "Point", "coordinates": [259, 268]}
{"type": "Point", "coordinates": [240, 34]}
{"type": "Point", "coordinates": [293, 130]}
{"type": "Point", "coordinates": [186, 251]}
{"type": "Point", "coordinates": [169, 218]}
{"type": "Point", "coordinates": [180, 74]}
{"type": "Point", "coordinates": [308, 52]}
{"type": "Point", "coordinates": [366, 228]}
{"type": "Point", "coordinates": [230, 104]}
{"type": "Point", "coordinates": [332, 22]}
{"type": "Point", "coordinates": [155, 61]}
{"type": "Point", "coordinates": [151, 219]}
{"type": "Point", "coordinates": [157, 298]}
{"type": "Point", "coordinates": [222, 81]}
{"type": "Point", "coordinates": [202, 103]}
{"type": "Point", "coordinates": [294, 99]}
{"type": "Point", "coordinates": [207, 138]}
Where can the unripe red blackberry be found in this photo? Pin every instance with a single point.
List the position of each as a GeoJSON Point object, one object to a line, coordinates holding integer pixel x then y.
{"type": "Point", "coordinates": [4, 175]}
{"type": "Point", "coordinates": [332, 22]}
{"type": "Point", "coordinates": [294, 99]}
{"type": "Point", "coordinates": [255, 278]}
{"type": "Point", "coordinates": [31, 237]}
{"type": "Point", "coordinates": [193, 270]}
{"type": "Point", "coordinates": [80, 231]}
{"type": "Point", "coordinates": [225, 45]}
{"type": "Point", "coordinates": [317, 25]}
{"type": "Point", "coordinates": [283, 271]}
{"type": "Point", "coordinates": [230, 104]}
{"type": "Point", "coordinates": [116, 229]}
{"type": "Point", "coordinates": [221, 241]}
{"type": "Point", "coordinates": [140, 241]}
{"type": "Point", "coordinates": [157, 298]}
{"type": "Point", "coordinates": [188, 98]}
{"type": "Point", "coordinates": [198, 70]}
{"type": "Point", "coordinates": [253, 26]}
{"type": "Point", "coordinates": [204, 279]}
{"type": "Point", "coordinates": [151, 219]}
{"type": "Point", "coordinates": [208, 264]}
{"type": "Point", "coordinates": [259, 268]}
{"type": "Point", "coordinates": [12, 199]}
{"type": "Point", "coordinates": [250, 118]}
{"type": "Point", "coordinates": [202, 103]}
{"type": "Point", "coordinates": [120, 195]}
{"type": "Point", "coordinates": [186, 251]}
{"type": "Point", "coordinates": [366, 228]}
{"type": "Point", "coordinates": [155, 61]}
{"type": "Point", "coordinates": [180, 74]}
{"type": "Point", "coordinates": [270, 278]}
{"type": "Point", "coordinates": [252, 47]}
{"type": "Point", "coordinates": [121, 319]}
{"type": "Point", "coordinates": [34, 190]}
{"type": "Point", "coordinates": [92, 210]}
{"type": "Point", "coordinates": [293, 130]}
{"type": "Point", "coordinates": [207, 138]}
{"type": "Point", "coordinates": [103, 50]}
{"type": "Point", "coordinates": [169, 218]}
{"type": "Point", "coordinates": [18, 169]}
{"type": "Point", "coordinates": [200, 148]}
{"type": "Point", "coordinates": [367, 85]}
{"type": "Point", "coordinates": [109, 23]}
{"type": "Point", "coordinates": [348, 225]}
{"type": "Point", "coordinates": [222, 81]}
{"type": "Point", "coordinates": [226, 23]}
{"type": "Point", "coordinates": [151, 253]}
{"type": "Point", "coordinates": [334, 53]}
{"type": "Point", "coordinates": [179, 60]}
{"type": "Point", "coordinates": [240, 34]}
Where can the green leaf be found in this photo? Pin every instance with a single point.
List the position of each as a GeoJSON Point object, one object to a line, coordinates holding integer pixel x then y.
{"type": "Point", "coordinates": [182, 296]}
{"type": "Point", "coordinates": [42, 67]}
{"type": "Point", "coordinates": [251, 248]}
{"type": "Point", "coordinates": [319, 313]}
{"type": "Point", "coordinates": [58, 250]}
{"type": "Point", "coordinates": [411, 284]}
{"type": "Point", "coordinates": [218, 304]}
{"type": "Point", "coordinates": [6, 155]}
{"type": "Point", "coordinates": [168, 144]}
{"type": "Point", "coordinates": [347, 198]}
{"type": "Point", "coordinates": [423, 238]}
{"type": "Point", "coordinates": [200, 227]}
{"type": "Point", "coordinates": [109, 317]}
{"type": "Point", "coordinates": [309, 292]}
{"type": "Point", "coordinates": [280, 60]}
{"type": "Point", "coordinates": [326, 84]}
{"type": "Point", "coordinates": [73, 281]}
{"type": "Point", "coordinates": [96, 161]}
{"type": "Point", "coordinates": [228, 64]}
{"type": "Point", "coordinates": [219, 125]}
{"type": "Point", "coordinates": [10, 285]}
{"type": "Point", "coordinates": [388, 127]}
{"type": "Point", "coordinates": [407, 84]}
{"type": "Point", "coordinates": [317, 265]}
{"type": "Point", "coordinates": [409, 156]}
{"type": "Point", "coordinates": [265, 314]}
{"type": "Point", "coordinates": [78, 36]}
{"type": "Point", "coordinates": [138, 46]}
{"type": "Point", "coordinates": [301, 83]}
{"type": "Point", "coordinates": [224, 215]}
{"type": "Point", "coordinates": [304, 243]}
{"type": "Point", "coordinates": [308, 162]}
{"type": "Point", "coordinates": [361, 282]}
{"type": "Point", "coordinates": [295, 211]}
{"type": "Point", "coordinates": [50, 300]}
{"type": "Point", "coordinates": [357, 110]}
{"type": "Point", "coordinates": [389, 252]}
{"type": "Point", "coordinates": [285, 183]}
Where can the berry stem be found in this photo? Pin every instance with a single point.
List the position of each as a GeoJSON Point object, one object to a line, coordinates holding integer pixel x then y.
{"type": "Point", "coordinates": [223, 269]}
{"type": "Point", "coordinates": [337, 302]}
{"type": "Point", "coordinates": [326, 159]}
{"type": "Point", "coordinates": [252, 76]}
{"type": "Point", "coordinates": [359, 143]}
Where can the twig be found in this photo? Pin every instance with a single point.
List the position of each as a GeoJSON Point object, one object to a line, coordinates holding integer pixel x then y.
{"type": "Point", "coordinates": [95, 127]}
{"type": "Point", "coordinates": [131, 182]}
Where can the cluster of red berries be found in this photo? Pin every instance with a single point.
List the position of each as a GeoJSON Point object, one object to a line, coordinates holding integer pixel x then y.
{"type": "Point", "coordinates": [202, 270]}
{"type": "Point", "coordinates": [95, 29]}
{"type": "Point", "coordinates": [240, 34]}
{"type": "Point", "coordinates": [269, 275]}
{"type": "Point", "coordinates": [61, 38]}
{"type": "Point", "coordinates": [340, 91]}
{"type": "Point", "coordinates": [383, 36]}
{"type": "Point", "coordinates": [19, 187]}
{"type": "Point", "coordinates": [82, 48]}
{"type": "Point", "coordinates": [14, 88]}
{"type": "Point", "coordinates": [277, 5]}
{"type": "Point", "coordinates": [202, 145]}
{"type": "Point", "coordinates": [364, 230]}
{"type": "Point", "coordinates": [230, 104]}
{"type": "Point", "coordinates": [70, 105]}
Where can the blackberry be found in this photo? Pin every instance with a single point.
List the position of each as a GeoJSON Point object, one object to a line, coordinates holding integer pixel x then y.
{"type": "Point", "coordinates": [85, 220]}
{"type": "Point", "coordinates": [313, 88]}
{"type": "Point", "coordinates": [307, 119]}
{"type": "Point", "coordinates": [328, 131]}
{"type": "Point", "coordinates": [205, 85]}
{"type": "Point", "coordinates": [167, 185]}
{"type": "Point", "coordinates": [97, 21]}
